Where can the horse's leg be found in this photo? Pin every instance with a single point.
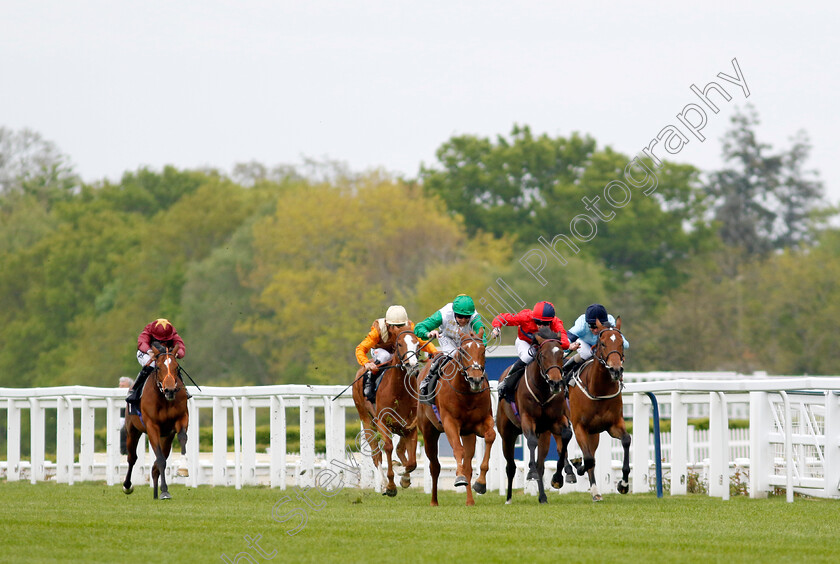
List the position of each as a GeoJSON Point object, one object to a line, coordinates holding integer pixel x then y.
{"type": "Point", "coordinates": [542, 447]}
{"type": "Point", "coordinates": [562, 442]}
{"type": "Point", "coordinates": [469, 452]}
{"type": "Point", "coordinates": [509, 432]}
{"type": "Point", "coordinates": [480, 485]}
{"type": "Point", "coordinates": [132, 437]}
{"type": "Point", "coordinates": [588, 445]}
{"type": "Point", "coordinates": [407, 451]}
{"type": "Point", "coordinates": [389, 485]}
{"type": "Point", "coordinates": [430, 440]}
{"type": "Point", "coordinates": [619, 431]}
{"type": "Point", "coordinates": [453, 434]}
{"type": "Point", "coordinates": [181, 429]}
{"type": "Point", "coordinates": [165, 449]}
{"type": "Point", "coordinates": [153, 432]}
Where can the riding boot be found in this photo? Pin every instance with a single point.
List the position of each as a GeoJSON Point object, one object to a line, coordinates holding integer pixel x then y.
{"type": "Point", "coordinates": [569, 368]}
{"type": "Point", "coordinates": [507, 388]}
{"type": "Point", "coordinates": [424, 385]}
{"type": "Point", "coordinates": [133, 396]}
{"type": "Point", "coordinates": [368, 387]}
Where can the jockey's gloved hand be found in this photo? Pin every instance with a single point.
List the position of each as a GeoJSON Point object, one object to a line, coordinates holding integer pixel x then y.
{"type": "Point", "coordinates": [495, 332]}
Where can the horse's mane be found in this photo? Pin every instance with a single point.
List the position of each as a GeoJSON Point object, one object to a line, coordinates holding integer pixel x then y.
{"type": "Point", "coordinates": [547, 333]}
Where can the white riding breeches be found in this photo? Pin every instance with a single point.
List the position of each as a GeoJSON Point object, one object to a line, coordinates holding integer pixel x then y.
{"type": "Point", "coordinates": [143, 358]}
{"type": "Point", "coordinates": [523, 349]}
{"type": "Point", "coordinates": [381, 356]}
{"type": "Point", "coordinates": [585, 351]}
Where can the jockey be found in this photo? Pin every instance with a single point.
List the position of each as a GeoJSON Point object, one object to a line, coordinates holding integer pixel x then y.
{"type": "Point", "coordinates": [445, 325]}
{"type": "Point", "coordinates": [584, 335]}
{"type": "Point", "coordinates": [529, 322]}
{"type": "Point", "coordinates": [158, 332]}
{"type": "Point", "coordinates": [376, 343]}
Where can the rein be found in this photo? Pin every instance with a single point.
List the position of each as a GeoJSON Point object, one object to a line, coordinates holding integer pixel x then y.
{"type": "Point", "coordinates": [603, 361]}
{"type": "Point", "coordinates": [463, 369]}
{"type": "Point", "coordinates": [544, 374]}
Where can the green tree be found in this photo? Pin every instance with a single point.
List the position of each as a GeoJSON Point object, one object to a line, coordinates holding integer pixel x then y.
{"type": "Point", "coordinates": [764, 200]}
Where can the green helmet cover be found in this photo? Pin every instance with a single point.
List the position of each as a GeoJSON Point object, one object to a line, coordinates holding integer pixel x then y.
{"type": "Point", "coordinates": [463, 305]}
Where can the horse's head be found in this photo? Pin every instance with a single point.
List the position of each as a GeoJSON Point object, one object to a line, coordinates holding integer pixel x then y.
{"type": "Point", "coordinates": [406, 349]}
{"type": "Point", "coordinates": [609, 350]}
{"type": "Point", "coordinates": [471, 353]}
{"type": "Point", "coordinates": [550, 358]}
{"type": "Point", "coordinates": [166, 372]}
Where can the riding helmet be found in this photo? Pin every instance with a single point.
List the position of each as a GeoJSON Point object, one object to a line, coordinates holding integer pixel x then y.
{"type": "Point", "coordinates": [543, 311]}
{"type": "Point", "coordinates": [596, 312]}
{"type": "Point", "coordinates": [396, 315]}
{"type": "Point", "coordinates": [162, 330]}
{"type": "Point", "coordinates": [463, 305]}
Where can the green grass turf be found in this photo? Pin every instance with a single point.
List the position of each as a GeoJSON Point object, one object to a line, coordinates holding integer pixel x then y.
{"type": "Point", "coordinates": [92, 522]}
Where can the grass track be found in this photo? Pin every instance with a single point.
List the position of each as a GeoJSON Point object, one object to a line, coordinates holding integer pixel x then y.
{"type": "Point", "coordinates": [92, 522]}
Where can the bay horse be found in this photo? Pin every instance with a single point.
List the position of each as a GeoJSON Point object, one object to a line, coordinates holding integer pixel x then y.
{"type": "Point", "coordinates": [163, 414]}
{"type": "Point", "coordinates": [462, 396]}
{"type": "Point", "coordinates": [540, 412]}
{"type": "Point", "coordinates": [596, 404]}
{"type": "Point", "coordinates": [395, 411]}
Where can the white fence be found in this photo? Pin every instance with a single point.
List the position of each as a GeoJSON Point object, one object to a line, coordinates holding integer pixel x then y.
{"type": "Point", "coordinates": [793, 441]}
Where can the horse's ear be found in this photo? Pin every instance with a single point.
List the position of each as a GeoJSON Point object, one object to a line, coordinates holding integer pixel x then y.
{"type": "Point", "coordinates": [618, 323]}
{"type": "Point", "coordinates": [598, 324]}
{"type": "Point", "coordinates": [481, 333]}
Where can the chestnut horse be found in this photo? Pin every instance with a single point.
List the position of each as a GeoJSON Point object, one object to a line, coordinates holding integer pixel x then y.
{"type": "Point", "coordinates": [542, 412]}
{"type": "Point", "coordinates": [462, 397]}
{"type": "Point", "coordinates": [163, 414]}
{"type": "Point", "coordinates": [596, 404]}
{"type": "Point", "coordinates": [395, 411]}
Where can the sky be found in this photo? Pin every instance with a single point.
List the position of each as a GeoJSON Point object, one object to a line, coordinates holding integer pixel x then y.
{"type": "Point", "coordinates": [119, 85]}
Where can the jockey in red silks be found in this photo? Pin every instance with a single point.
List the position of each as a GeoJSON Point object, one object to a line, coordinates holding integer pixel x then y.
{"type": "Point", "coordinates": [159, 331]}
{"type": "Point", "coordinates": [529, 321]}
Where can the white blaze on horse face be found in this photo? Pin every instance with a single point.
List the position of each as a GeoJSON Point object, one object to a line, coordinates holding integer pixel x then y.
{"type": "Point", "coordinates": [555, 350]}
{"type": "Point", "coordinates": [411, 345]}
{"type": "Point", "coordinates": [612, 338]}
{"type": "Point", "coordinates": [167, 361]}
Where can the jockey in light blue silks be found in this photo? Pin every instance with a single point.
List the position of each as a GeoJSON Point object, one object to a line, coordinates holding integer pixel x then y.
{"type": "Point", "coordinates": [584, 335]}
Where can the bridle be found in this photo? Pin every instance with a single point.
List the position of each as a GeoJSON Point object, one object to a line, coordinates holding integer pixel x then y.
{"type": "Point", "coordinates": [597, 355]}
{"type": "Point", "coordinates": [599, 345]}
{"type": "Point", "coordinates": [158, 380]}
{"type": "Point", "coordinates": [403, 360]}
{"type": "Point", "coordinates": [462, 367]}
{"type": "Point", "coordinates": [544, 373]}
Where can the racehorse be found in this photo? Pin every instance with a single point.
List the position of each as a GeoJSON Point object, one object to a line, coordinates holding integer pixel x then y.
{"type": "Point", "coordinates": [395, 411]}
{"type": "Point", "coordinates": [596, 404]}
{"type": "Point", "coordinates": [462, 396]}
{"type": "Point", "coordinates": [163, 414]}
{"type": "Point", "coordinates": [541, 412]}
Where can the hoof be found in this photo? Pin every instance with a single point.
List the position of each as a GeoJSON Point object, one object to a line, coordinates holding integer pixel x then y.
{"type": "Point", "coordinates": [480, 488]}
{"type": "Point", "coordinates": [390, 493]}
{"type": "Point", "coordinates": [596, 498]}
{"type": "Point", "coordinates": [165, 495]}
{"type": "Point", "coordinates": [571, 478]}
{"type": "Point", "coordinates": [461, 481]}
{"type": "Point", "coordinates": [405, 481]}
{"type": "Point", "coordinates": [508, 502]}
{"type": "Point", "coordinates": [556, 484]}
{"type": "Point", "coordinates": [128, 490]}
{"type": "Point", "coordinates": [623, 489]}
{"type": "Point", "coordinates": [533, 475]}
{"type": "Point", "coordinates": [543, 498]}
{"type": "Point", "coordinates": [183, 472]}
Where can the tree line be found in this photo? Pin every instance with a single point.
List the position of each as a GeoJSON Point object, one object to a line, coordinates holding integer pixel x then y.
{"type": "Point", "coordinates": [273, 275]}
